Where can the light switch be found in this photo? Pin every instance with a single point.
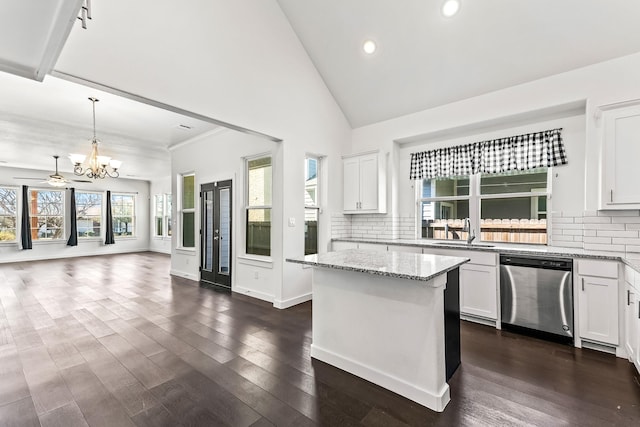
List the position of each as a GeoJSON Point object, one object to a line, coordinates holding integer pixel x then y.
{"type": "Point", "coordinates": [292, 221]}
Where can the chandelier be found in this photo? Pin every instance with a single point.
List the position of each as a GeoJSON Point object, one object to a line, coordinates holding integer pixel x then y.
{"type": "Point", "coordinates": [97, 165]}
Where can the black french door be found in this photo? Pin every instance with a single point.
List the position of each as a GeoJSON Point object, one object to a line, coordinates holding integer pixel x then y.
{"type": "Point", "coordinates": [215, 245]}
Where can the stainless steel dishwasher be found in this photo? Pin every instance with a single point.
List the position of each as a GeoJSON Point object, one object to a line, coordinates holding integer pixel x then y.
{"type": "Point", "coordinates": [536, 296]}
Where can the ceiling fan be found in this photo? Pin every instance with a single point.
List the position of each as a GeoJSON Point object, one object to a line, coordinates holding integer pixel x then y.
{"type": "Point", "coordinates": [55, 179]}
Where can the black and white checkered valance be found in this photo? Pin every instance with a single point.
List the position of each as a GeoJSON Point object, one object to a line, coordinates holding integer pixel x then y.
{"type": "Point", "coordinates": [521, 152]}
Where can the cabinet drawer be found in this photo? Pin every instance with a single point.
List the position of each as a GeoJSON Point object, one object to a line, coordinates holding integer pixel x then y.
{"type": "Point", "coordinates": [598, 268]}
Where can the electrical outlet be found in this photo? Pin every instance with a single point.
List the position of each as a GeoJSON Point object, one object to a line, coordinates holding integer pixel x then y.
{"type": "Point", "coordinates": [292, 221]}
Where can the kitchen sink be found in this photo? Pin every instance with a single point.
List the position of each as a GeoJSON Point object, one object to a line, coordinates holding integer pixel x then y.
{"type": "Point", "coordinates": [465, 244]}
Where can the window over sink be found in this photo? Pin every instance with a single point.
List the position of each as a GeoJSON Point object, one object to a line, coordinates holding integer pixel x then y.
{"type": "Point", "coordinates": [507, 207]}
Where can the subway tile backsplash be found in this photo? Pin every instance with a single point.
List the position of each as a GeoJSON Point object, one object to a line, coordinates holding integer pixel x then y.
{"type": "Point", "coordinates": [608, 231]}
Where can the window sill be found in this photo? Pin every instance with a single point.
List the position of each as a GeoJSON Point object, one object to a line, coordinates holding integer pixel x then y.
{"type": "Point", "coordinates": [9, 243]}
{"type": "Point", "coordinates": [49, 242]}
{"type": "Point", "coordinates": [89, 239]}
{"type": "Point", "coordinates": [256, 260]}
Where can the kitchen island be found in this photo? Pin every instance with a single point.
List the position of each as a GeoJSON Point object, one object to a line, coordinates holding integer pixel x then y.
{"type": "Point", "coordinates": [389, 317]}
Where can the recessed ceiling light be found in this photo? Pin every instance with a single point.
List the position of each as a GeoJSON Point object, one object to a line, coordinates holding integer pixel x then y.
{"type": "Point", "coordinates": [369, 47]}
{"type": "Point", "coordinates": [450, 8]}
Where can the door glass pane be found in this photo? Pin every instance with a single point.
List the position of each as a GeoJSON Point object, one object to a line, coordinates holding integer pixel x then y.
{"type": "Point", "coordinates": [515, 219]}
{"type": "Point", "coordinates": [445, 187]}
{"type": "Point", "coordinates": [311, 182]}
{"type": "Point", "coordinates": [310, 231]}
{"type": "Point", "coordinates": [208, 230]}
{"type": "Point", "coordinates": [258, 228]}
{"type": "Point", "coordinates": [225, 231]}
{"type": "Point", "coordinates": [444, 220]}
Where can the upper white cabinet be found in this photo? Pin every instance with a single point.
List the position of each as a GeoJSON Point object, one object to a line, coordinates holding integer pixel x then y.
{"type": "Point", "coordinates": [598, 301]}
{"type": "Point", "coordinates": [620, 131]}
{"type": "Point", "coordinates": [364, 183]}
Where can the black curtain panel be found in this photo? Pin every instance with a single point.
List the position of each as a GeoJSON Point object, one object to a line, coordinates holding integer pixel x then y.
{"type": "Point", "coordinates": [73, 237]}
{"type": "Point", "coordinates": [109, 239]}
{"type": "Point", "coordinates": [25, 224]}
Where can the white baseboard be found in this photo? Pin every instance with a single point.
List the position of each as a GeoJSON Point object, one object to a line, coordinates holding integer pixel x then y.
{"type": "Point", "coordinates": [282, 304]}
{"type": "Point", "coordinates": [436, 402]}
{"type": "Point", "coordinates": [62, 255]}
{"type": "Point", "coordinates": [184, 275]}
{"type": "Point", "coordinates": [477, 319]}
{"type": "Point", "coordinates": [251, 293]}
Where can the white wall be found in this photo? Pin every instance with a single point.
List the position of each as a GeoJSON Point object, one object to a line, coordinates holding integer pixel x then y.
{"type": "Point", "coordinates": [12, 252]}
{"type": "Point", "coordinates": [160, 187]}
{"type": "Point", "coordinates": [236, 61]}
{"type": "Point", "coordinates": [599, 84]}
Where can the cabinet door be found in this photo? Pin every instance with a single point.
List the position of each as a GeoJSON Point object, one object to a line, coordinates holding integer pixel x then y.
{"type": "Point", "coordinates": [351, 184]}
{"type": "Point", "coordinates": [479, 291]}
{"type": "Point", "coordinates": [621, 152]}
{"type": "Point", "coordinates": [630, 316]}
{"type": "Point", "coordinates": [598, 301]}
{"type": "Point", "coordinates": [368, 179]}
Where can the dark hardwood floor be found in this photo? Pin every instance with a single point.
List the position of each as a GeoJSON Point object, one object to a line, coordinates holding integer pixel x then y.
{"type": "Point", "coordinates": [115, 341]}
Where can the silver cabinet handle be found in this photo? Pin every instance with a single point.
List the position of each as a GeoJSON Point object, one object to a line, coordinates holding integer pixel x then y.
{"type": "Point", "coordinates": [612, 196]}
{"type": "Point", "coordinates": [628, 297]}
{"type": "Point", "coordinates": [583, 283]}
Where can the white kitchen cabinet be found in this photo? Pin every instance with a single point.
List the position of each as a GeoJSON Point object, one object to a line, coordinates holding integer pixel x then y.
{"type": "Point", "coordinates": [364, 183]}
{"type": "Point", "coordinates": [478, 291]}
{"type": "Point", "coordinates": [598, 301]}
{"type": "Point", "coordinates": [631, 315]}
{"type": "Point", "coordinates": [478, 284]}
{"type": "Point", "coordinates": [620, 131]}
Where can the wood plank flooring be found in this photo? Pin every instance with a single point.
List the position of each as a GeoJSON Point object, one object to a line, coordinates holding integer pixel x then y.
{"type": "Point", "coordinates": [115, 341]}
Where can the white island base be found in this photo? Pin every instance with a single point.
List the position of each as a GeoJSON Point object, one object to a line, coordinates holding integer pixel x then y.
{"type": "Point", "coordinates": [387, 330]}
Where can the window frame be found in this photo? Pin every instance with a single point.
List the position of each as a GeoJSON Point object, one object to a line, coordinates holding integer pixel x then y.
{"type": "Point", "coordinates": [248, 207]}
{"type": "Point", "coordinates": [475, 199]}
{"type": "Point", "coordinates": [63, 204]}
{"type": "Point", "coordinates": [16, 191]}
{"type": "Point", "coordinates": [316, 206]}
{"type": "Point", "coordinates": [156, 216]}
{"type": "Point", "coordinates": [134, 219]}
{"type": "Point", "coordinates": [102, 215]}
{"type": "Point", "coordinates": [181, 210]}
{"type": "Point", "coordinates": [168, 206]}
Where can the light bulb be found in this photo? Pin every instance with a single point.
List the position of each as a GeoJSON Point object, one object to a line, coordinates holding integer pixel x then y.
{"type": "Point", "coordinates": [369, 47]}
{"type": "Point", "coordinates": [450, 8]}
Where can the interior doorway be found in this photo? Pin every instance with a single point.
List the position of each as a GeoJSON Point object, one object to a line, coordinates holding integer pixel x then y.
{"type": "Point", "coordinates": [216, 242]}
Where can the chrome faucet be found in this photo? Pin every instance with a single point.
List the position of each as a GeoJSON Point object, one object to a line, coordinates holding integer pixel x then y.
{"type": "Point", "coordinates": [454, 235]}
{"type": "Point", "coordinates": [467, 227]}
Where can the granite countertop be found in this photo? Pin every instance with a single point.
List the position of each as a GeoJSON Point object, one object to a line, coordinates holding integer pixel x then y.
{"type": "Point", "coordinates": [422, 267]}
{"type": "Point", "coordinates": [504, 248]}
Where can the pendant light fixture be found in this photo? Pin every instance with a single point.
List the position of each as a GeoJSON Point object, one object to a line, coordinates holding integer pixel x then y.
{"type": "Point", "coordinates": [97, 165]}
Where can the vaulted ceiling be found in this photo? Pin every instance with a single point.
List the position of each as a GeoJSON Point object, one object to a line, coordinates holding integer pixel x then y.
{"type": "Point", "coordinates": [423, 60]}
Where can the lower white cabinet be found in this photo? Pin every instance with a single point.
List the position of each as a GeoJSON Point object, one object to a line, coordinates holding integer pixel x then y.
{"type": "Point", "coordinates": [632, 316]}
{"type": "Point", "coordinates": [598, 302]}
{"type": "Point", "coordinates": [478, 290]}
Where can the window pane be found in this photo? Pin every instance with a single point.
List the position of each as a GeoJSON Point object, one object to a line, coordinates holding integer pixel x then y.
{"type": "Point", "coordinates": [444, 220]}
{"type": "Point", "coordinates": [122, 210]}
{"type": "Point", "coordinates": [445, 187]}
{"type": "Point", "coordinates": [8, 218]}
{"type": "Point", "coordinates": [188, 192]}
{"type": "Point", "coordinates": [259, 182]}
{"type": "Point", "coordinates": [310, 231]}
{"type": "Point", "coordinates": [258, 228]}
{"type": "Point", "coordinates": [168, 213]}
{"type": "Point", "coordinates": [311, 182]}
{"type": "Point", "coordinates": [517, 219]}
{"type": "Point", "coordinates": [188, 230]}
{"type": "Point", "coordinates": [89, 214]}
{"type": "Point", "coordinates": [516, 182]}
{"type": "Point", "coordinates": [46, 211]}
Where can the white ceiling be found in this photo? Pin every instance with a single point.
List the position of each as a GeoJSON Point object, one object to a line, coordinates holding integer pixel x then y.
{"type": "Point", "coordinates": [425, 60]}
{"type": "Point", "coordinates": [55, 117]}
